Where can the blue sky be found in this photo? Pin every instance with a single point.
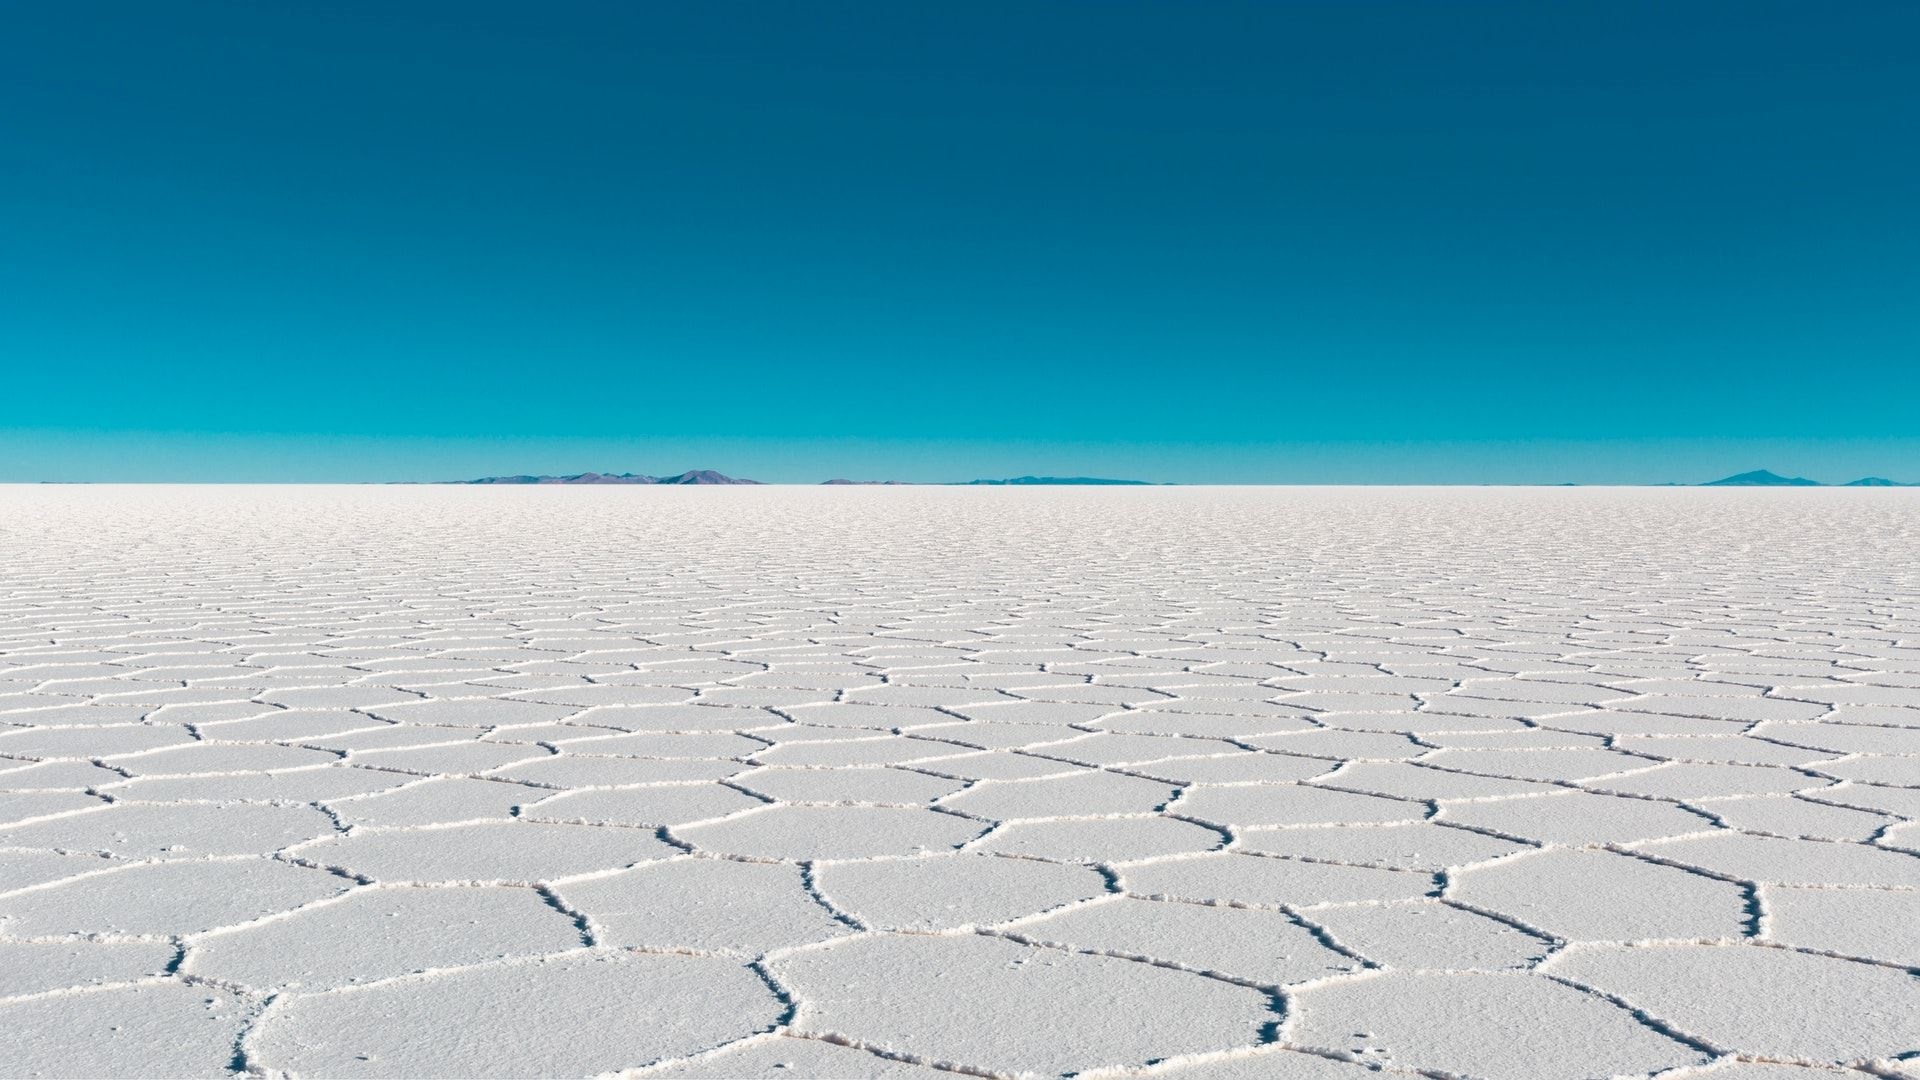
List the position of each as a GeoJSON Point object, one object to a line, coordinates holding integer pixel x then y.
{"type": "Point", "coordinates": [1271, 242]}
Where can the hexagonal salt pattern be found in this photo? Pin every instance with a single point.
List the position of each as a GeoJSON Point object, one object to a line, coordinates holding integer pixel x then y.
{"type": "Point", "coordinates": [1192, 783]}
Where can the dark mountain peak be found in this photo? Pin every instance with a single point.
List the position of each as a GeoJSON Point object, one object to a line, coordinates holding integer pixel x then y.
{"type": "Point", "coordinates": [1761, 478]}
{"type": "Point", "coordinates": [1876, 481]}
{"type": "Point", "coordinates": [702, 476]}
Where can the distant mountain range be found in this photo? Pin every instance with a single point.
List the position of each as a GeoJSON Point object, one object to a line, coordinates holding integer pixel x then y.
{"type": "Point", "coordinates": [691, 476]}
{"type": "Point", "coordinates": [1765, 478]}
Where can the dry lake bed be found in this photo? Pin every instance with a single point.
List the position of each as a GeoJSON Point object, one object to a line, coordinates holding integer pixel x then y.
{"type": "Point", "coordinates": [1200, 783]}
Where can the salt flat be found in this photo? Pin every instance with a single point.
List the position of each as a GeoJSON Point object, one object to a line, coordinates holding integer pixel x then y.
{"type": "Point", "coordinates": [1195, 783]}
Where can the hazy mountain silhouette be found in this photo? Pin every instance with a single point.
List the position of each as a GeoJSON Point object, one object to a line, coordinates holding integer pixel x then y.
{"type": "Point", "coordinates": [1762, 478]}
{"type": "Point", "coordinates": [691, 476]}
{"type": "Point", "coordinates": [1876, 481]}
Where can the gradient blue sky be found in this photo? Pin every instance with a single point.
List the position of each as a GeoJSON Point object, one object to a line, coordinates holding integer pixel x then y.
{"type": "Point", "coordinates": [1270, 242]}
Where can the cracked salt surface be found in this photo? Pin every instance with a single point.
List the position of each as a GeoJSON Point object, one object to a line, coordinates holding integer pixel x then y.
{"type": "Point", "coordinates": [1189, 783]}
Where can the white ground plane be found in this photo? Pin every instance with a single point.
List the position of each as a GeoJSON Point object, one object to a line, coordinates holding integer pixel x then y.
{"type": "Point", "coordinates": [1186, 783]}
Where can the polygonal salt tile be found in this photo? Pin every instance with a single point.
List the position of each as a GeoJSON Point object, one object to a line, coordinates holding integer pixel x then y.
{"type": "Point", "coordinates": [973, 734]}
{"type": "Point", "coordinates": [1893, 771]}
{"type": "Point", "coordinates": [161, 1028]}
{"type": "Point", "coordinates": [146, 830]}
{"type": "Point", "coordinates": [886, 750]}
{"type": "Point", "coordinates": [1429, 934]}
{"type": "Point", "coordinates": [560, 733]}
{"type": "Point", "coordinates": [36, 967]}
{"type": "Point", "coordinates": [1722, 749]}
{"type": "Point", "coordinates": [1230, 877]}
{"type": "Point", "coordinates": [1904, 837]}
{"type": "Point", "coordinates": [202, 758]}
{"type": "Point", "coordinates": [1767, 1002]}
{"type": "Point", "coordinates": [1900, 802]}
{"type": "Point", "coordinates": [1406, 780]}
{"type": "Point", "coordinates": [950, 697]}
{"type": "Point", "coordinates": [1000, 765]}
{"type": "Point", "coordinates": [567, 771]}
{"type": "Point", "coordinates": [581, 1014]}
{"type": "Point", "coordinates": [680, 718]}
{"type": "Point", "coordinates": [1494, 1031]}
{"type": "Point", "coordinates": [1548, 765]}
{"type": "Point", "coordinates": [1089, 694]}
{"type": "Point", "coordinates": [850, 785]}
{"type": "Point", "coordinates": [55, 776]}
{"type": "Point", "coordinates": [23, 807]}
{"type": "Point", "coordinates": [832, 832]}
{"type": "Point", "coordinates": [663, 804]}
{"type": "Point", "coordinates": [25, 869]}
{"type": "Point", "coordinates": [291, 725]}
{"type": "Point", "coordinates": [1108, 748]}
{"type": "Point", "coordinates": [1291, 804]}
{"type": "Point", "coordinates": [1337, 704]}
{"type": "Point", "coordinates": [1241, 767]}
{"type": "Point", "coordinates": [707, 905]}
{"type": "Point", "coordinates": [388, 737]}
{"type": "Point", "coordinates": [378, 933]}
{"type": "Point", "coordinates": [1589, 895]}
{"type": "Point", "coordinates": [473, 712]}
{"type": "Point", "coordinates": [1415, 845]}
{"type": "Point", "coordinates": [1611, 723]}
{"type": "Point", "coordinates": [1790, 815]}
{"type": "Point", "coordinates": [1754, 1070]}
{"type": "Point", "coordinates": [945, 892]}
{"type": "Point", "coordinates": [1490, 711]}
{"type": "Point", "coordinates": [336, 697]}
{"type": "Point", "coordinates": [1535, 690]}
{"type": "Point", "coordinates": [1085, 794]}
{"type": "Point", "coordinates": [673, 744]}
{"type": "Point", "coordinates": [205, 714]}
{"type": "Point", "coordinates": [1790, 862]}
{"type": "Point", "coordinates": [1269, 1062]}
{"type": "Point", "coordinates": [873, 717]}
{"type": "Point", "coordinates": [1339, 744]}
{"type": "Point", "coordinates": [79, 715]}
{"type": "Point", "coordinates": [91, 742]}
{"type": "Point", "coordinates": [1832, 738]}
{"type": "Point", "coordinates": [455, 758]}
{"type": "Point", "coordinates": [1898, 696]}
{"type": "Point", "coordinates": [1879, 924]}
{"type": "Point", "coordinates": [1100, 840]}
{"type": "Point", "coordinates": [1035, 711]}
{"type": "Point", "coordinates": [294, 786]}
{"type": "Point", "coordinates": [1204, 725]}
{"type": "Point", "coordinates": [1262, 947]}
{"type": "Point", "coordinates": [165, 898]}
{"type": "Point", "coordinates": [1691, 781]}
{"type": "Point", "coordinates": [1419, 724]}
{"type": "Point", "coordinates": [437, 801]}
{"type": "Point", "coordinates": [508, 852]}
{"type": "Point", "coordinates": [1578, 818]}
{"type": "Point", "coordinates": [957, 999]}
{"type": "Point", "coordinates": [779, 1057]}
{"type": "Point", "coordinates": [771, 697]}
{"type": "Point", "coordinates": [1524, 739]}
{"type": "Point", "coordinates": [1744, 709]}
